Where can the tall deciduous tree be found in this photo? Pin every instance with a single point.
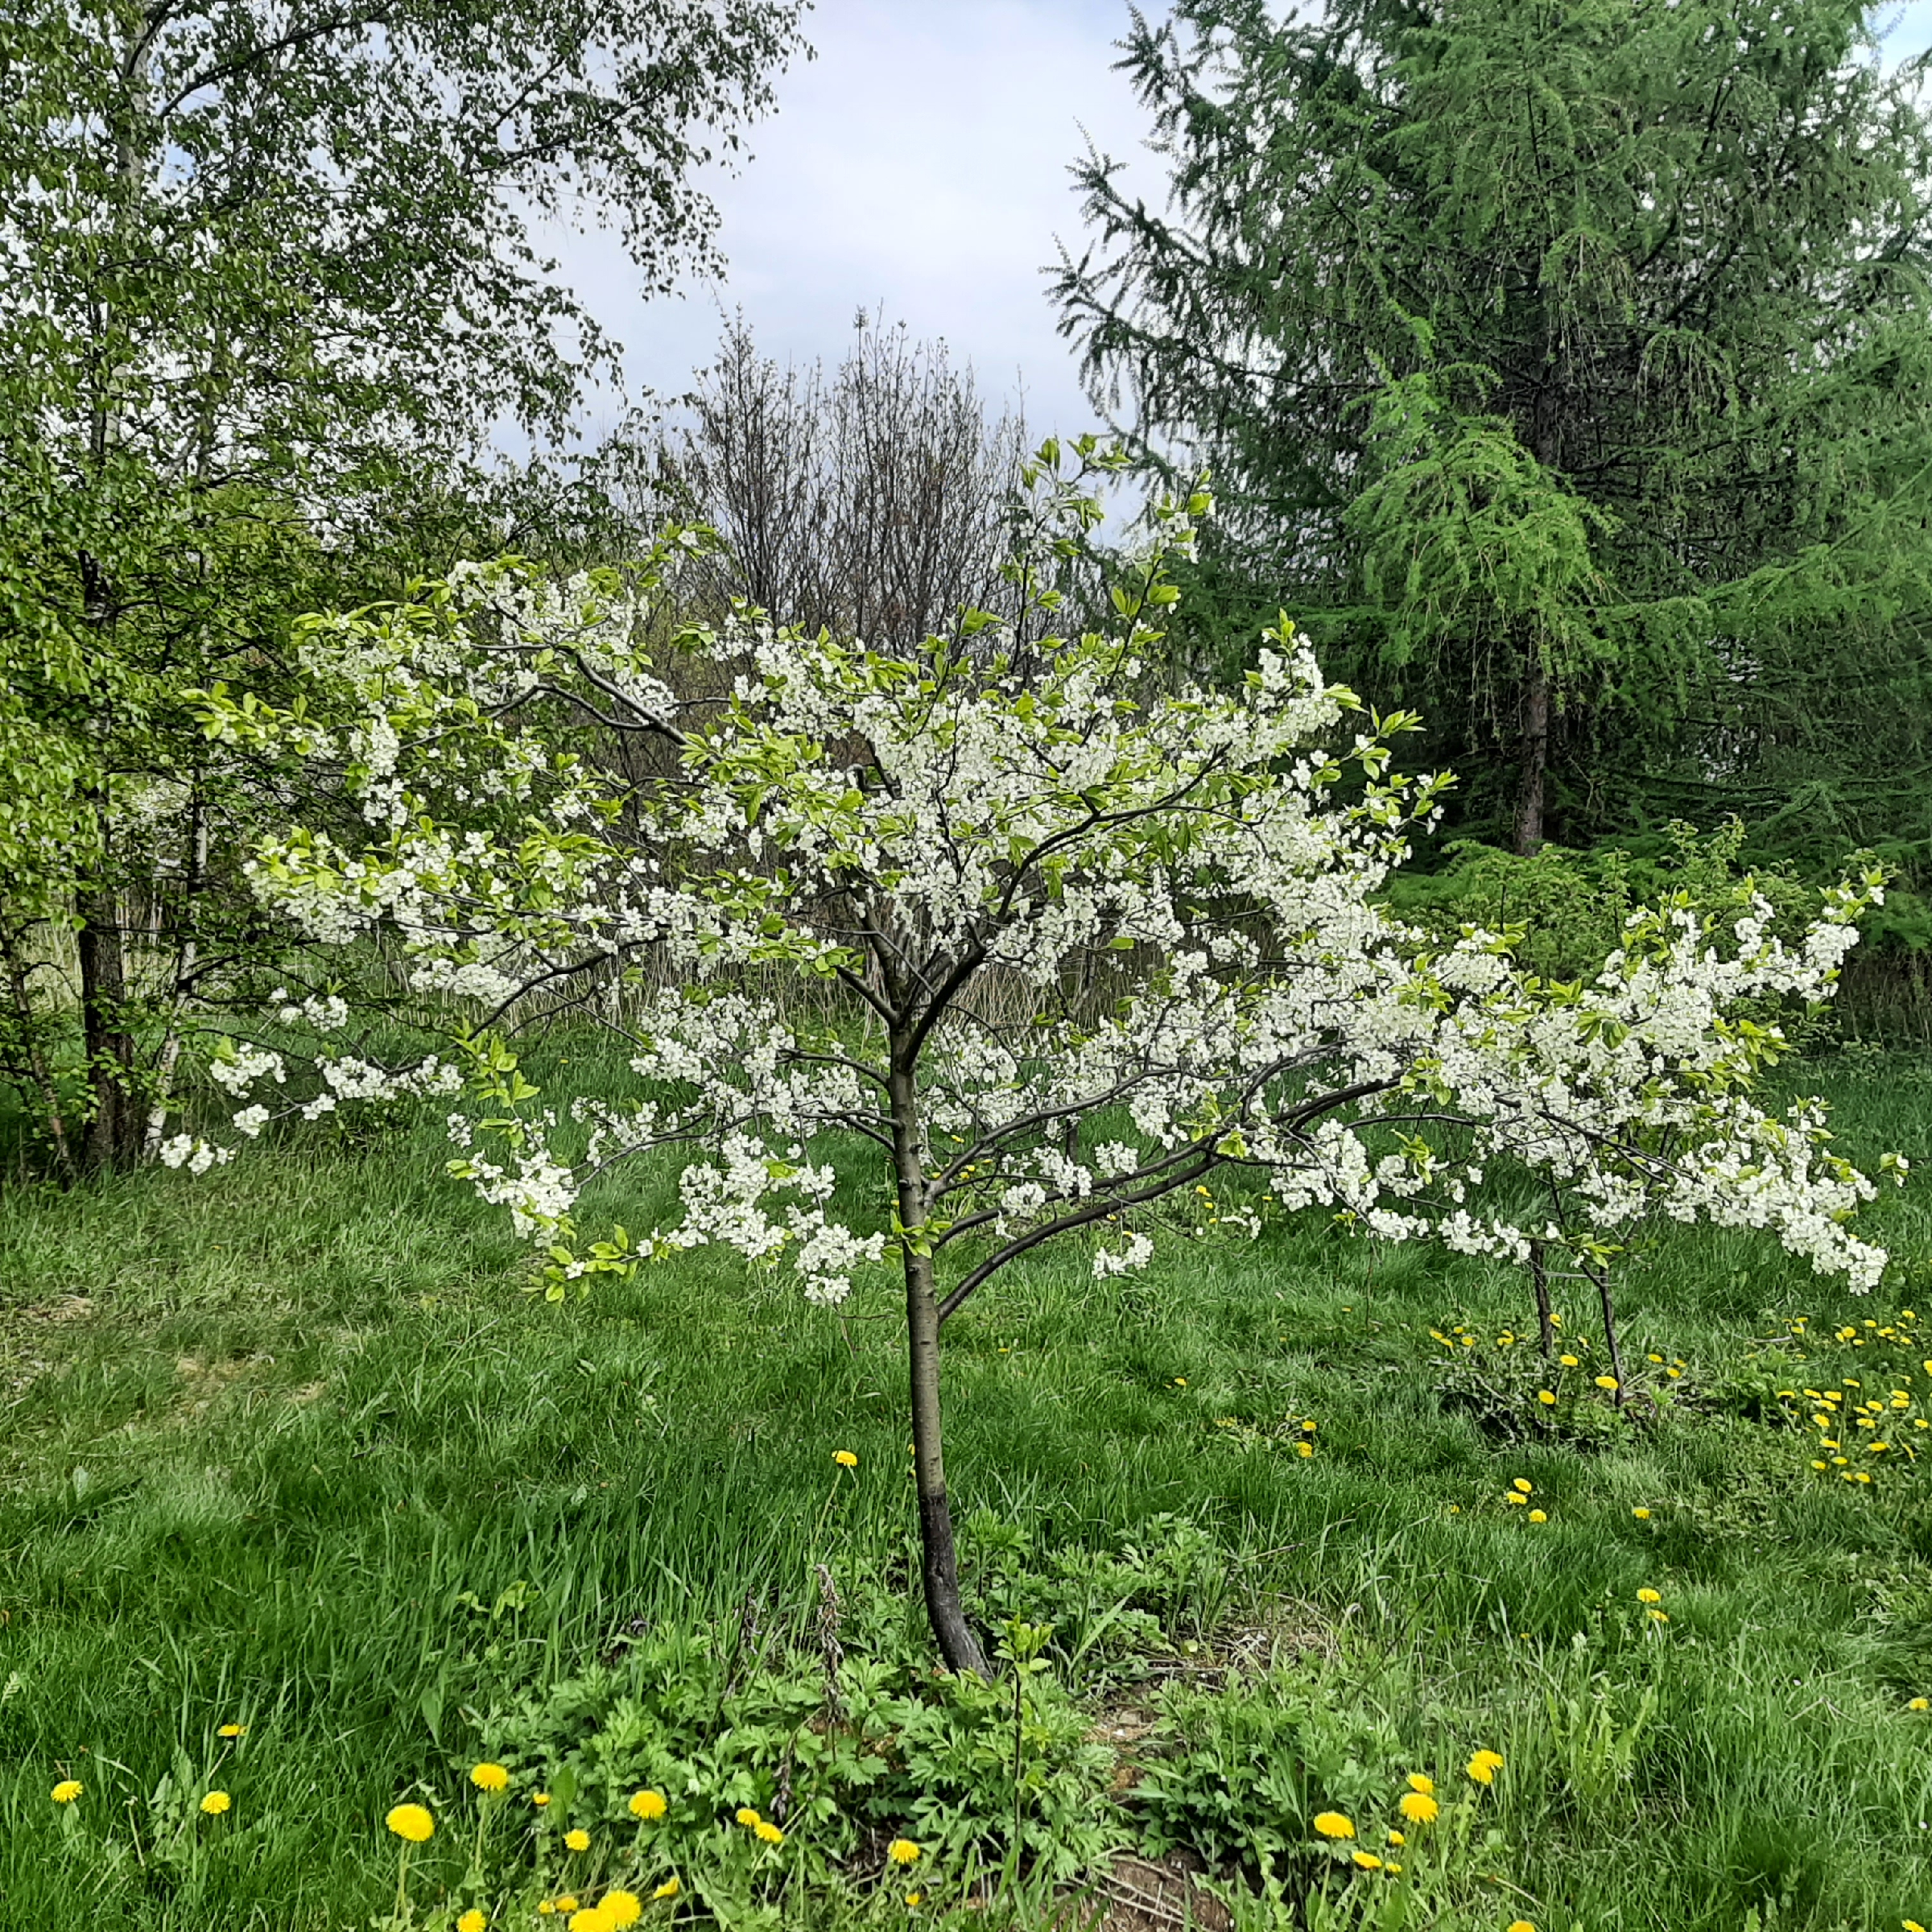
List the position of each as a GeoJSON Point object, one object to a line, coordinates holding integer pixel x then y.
{"type": "Point", "coordinates": [264, 262]}
{"type": "Point", "coordinates": [873, 500]}
{"type": "Point", "coordinates": [1569, 364]}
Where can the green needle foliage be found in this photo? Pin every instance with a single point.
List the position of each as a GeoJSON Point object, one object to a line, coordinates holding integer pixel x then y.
{"type": "Point", "coordinates": [1564, 365]}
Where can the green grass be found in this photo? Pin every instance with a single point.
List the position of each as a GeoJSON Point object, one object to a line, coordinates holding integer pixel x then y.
{"type": "Point", "coordinates": [280, 1440]}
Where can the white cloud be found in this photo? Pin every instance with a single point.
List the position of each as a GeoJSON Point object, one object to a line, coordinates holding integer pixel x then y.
{"type": "Point", "coordinates": [920, 162]}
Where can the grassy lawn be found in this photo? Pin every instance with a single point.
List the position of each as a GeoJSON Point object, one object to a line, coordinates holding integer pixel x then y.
{"type": "Point", "coordinates": [287, 1449]}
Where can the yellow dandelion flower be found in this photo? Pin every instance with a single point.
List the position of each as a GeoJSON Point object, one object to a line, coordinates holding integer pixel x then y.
{"type": "Point", "coordinates": [1421, 1781]}
{"type": "Point", "coordinates": [1308, 1426]}
{"type": "Point", "coordinates": [1522, 1486]}
{"type": "Point", "coordinates": [1568, 1361]}
{"type": "Point", "coordinates": [1304, 1449]}
{"type": "Point", "coordinates": [1642, 1514]}
{"type": "Point", "coordinates": [1396, 1837]}
{"type": "Point", "coordinates": [1180, 1381]}
{"type": "Point", "coordinates": [1420, 1807]}
{"type": "Point", "coordinates": [68, 1790]}
{"type": "Point", "coordinates": [669, 1889]}
{"type": "Point", "coordinates": [845, 1458]}
{"type": "Point", "coordinates": [472, 1921]}
{"type": "Point", "coordinates": [1911, 1924]}
{"type": "Point", "coordinates": [1332, 1824]}
{"type": "Point", "coordinates": [1521, 1924]}
{"type": "Point", "coordinates": [1512, 1496]}
{"type": "Point", "coordinates": [578, 1840]}
{"type": "Point", "coordinates": [1660, 1616]}
{"type": "Point", "coordinates": [231, 1731]}
{"type": "Point", "coordinates": [912, 1898]}
{"type": "Point", "coordinates": [568, 1902]}
{"type": "Point", "coordinates": [1650, 1596]}
{"type": "Point", "coordinates": [1368, 1861]}
{"type": "Point", "coordinates": [1393, 1869]}
{"type": "Point", "coordinates": [216, 1803]}
{"type": "Point", "coordinates": [545, 1908]}
{"type": "Point", "coordinates": [1539, 1516]}
{"type": "Point", "coordinates": [488, 1777]}
{"type": "Point", "coordinates": [902, 1851]}
{"type": "Point", "coordinates": [410, 1821]}
{"type": "Point", "coordinates": [748, 1818]}
{"type": "Point", "coordinates": [1918, 1703]}
{"type": "Point", "coordinates": [1483, 1766]}
{"type": "Point", "coordinates": [647, 1804]}
{"type": "Point", "coordinates": [1547, 1398]}
{"type": "Point", "coordinates": [589, 1918]}
{"type": "Point", "coordinates": [540, 1799]}
{"type": "Point", "coordinates": [622, 1908]}
{"type": "Point", "coordinates": [767, 1832]}
{"type": "Point", "coordinates": [1607, 1381]}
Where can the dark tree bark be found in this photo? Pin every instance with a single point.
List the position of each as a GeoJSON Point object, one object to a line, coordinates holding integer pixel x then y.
{"type": "Point", "coordinates": [938, 1561]}
{"type": "Point", "coordinates": [1533, 770]}
{"type": "Point", "coordinates": [1539, 1276]}
{"type": "Point", "coordinates": [114, 1129]}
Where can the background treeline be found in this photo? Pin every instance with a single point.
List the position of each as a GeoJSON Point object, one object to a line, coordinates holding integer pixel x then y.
{"type": "Point", "coordinates": [1562, 366]}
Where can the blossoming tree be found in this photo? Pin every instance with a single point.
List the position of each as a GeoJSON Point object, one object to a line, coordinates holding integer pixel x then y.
{"type": "Point", "coordinates": [1086, 940]}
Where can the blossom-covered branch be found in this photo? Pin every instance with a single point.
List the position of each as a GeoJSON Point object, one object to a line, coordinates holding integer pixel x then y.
{"type": "Point", "coordinates": [1094, 938]}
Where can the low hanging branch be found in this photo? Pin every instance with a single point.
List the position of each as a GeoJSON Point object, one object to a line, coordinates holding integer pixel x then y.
{"type": "Point", "coordinates": [1099, 941]}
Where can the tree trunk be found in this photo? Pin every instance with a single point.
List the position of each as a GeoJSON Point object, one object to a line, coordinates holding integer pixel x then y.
{"type": "Point", "coordinates": [1600, 1273]}
{"type": "Point", "coordinates": [1535, 760]}
{"type": "Point", "coordinates": [1546, 1323]}
{"type": "Point", "coordinates": [938, 1562]}
{"type": "Point", "coordinates": [186, 956]}
{"type": "Point", "coordinates": [114, 1129]}
{"type": "Point", "coordinates": [21, 992]}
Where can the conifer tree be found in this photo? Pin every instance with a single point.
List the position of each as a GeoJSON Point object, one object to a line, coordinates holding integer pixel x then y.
{"type": "Point", "coordinates": [1567, 362]}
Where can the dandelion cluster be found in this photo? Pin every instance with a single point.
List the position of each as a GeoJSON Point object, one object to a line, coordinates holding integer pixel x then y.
{"type": "Point", "coordinates": [1875, 1427]}
{"type": "Point", "coordinates": [1419, 1807]}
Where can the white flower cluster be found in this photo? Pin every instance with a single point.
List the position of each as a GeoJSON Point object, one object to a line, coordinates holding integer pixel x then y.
{"type": "Point", "coordinates": [1055, 901]}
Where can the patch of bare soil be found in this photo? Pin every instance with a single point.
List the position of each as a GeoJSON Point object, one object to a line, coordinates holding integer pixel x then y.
{"type": "Point", "coordinates": [1148, 1895]}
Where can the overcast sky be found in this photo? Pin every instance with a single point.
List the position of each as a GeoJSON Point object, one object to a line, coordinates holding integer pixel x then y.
{"type": "Point", "coordinates": [920, 162]}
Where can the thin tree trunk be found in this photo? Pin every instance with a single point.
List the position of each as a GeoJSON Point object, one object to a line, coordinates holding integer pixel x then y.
{"type": "Point", "coordinates": [114, 1132]}
{"type": "Point", "coordinates": [1600, 1275]}
{"type": "Point", "coordinates": [1539, 1276]}
{"type": "Point", "coordinates": [939, 1563]}
{"type": "Point", "coordinates": [186, 960]}
{"type": "Point", "coordinates": [1535, 759]}
{"type": "Point", "coordinates": [21, 994]}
